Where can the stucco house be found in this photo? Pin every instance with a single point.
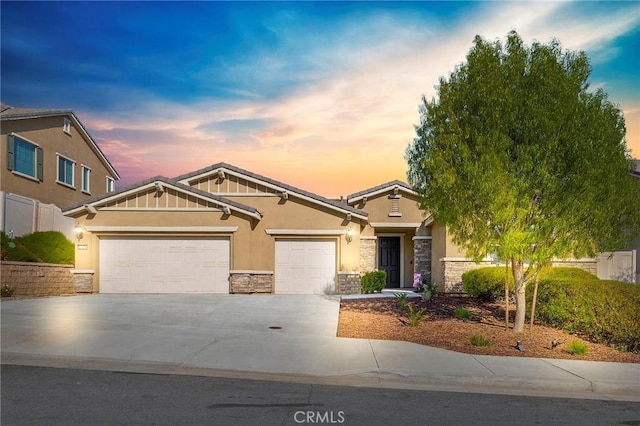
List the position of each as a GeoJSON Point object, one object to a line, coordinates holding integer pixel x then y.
{"type": "Point", "coordinates": [48, 157]}
{"type": "Point", "coordinates": [223, 229]}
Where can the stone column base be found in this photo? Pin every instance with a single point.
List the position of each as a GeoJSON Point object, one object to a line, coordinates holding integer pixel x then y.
{"type": "Point", "coordinates": [83, 280]}
{"type": "Point", "coordinates": [248, 282]}
{"type": "Point", "coordinates": [349, 283]}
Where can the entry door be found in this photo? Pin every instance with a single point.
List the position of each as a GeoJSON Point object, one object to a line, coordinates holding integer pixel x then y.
{"type": "Point", "coordinates": [389, 259]}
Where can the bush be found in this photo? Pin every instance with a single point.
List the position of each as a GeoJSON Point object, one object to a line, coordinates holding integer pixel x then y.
{"type": "Point", "coordinates": [47, 247]}
{"type": "Point", "coordinates": [6, 291]}
{"type": "Point", "coordinates": [373, 282]}
{"type": "Point", "coordinates": [601, 311]}
{"type": "Point", "coordinates": [415, 317]}
{"type": "Point", "coordinates": [488, 283]}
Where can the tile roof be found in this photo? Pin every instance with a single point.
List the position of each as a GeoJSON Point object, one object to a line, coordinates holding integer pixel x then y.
{"type": "Point", "coordinates": [171, 182]}
{"type": "Point", "coordinates": [375, 189]}
{"type": "Point", "coordinates": [284, 186]}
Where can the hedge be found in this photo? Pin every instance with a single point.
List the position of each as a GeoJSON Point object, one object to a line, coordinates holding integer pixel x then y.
{"type": "Point", "coordinates": [488, 283]}
{"type": "Point", "coordinates": [600, 310]}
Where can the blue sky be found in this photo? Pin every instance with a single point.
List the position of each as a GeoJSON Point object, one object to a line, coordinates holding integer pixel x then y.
{"type": "Point", "coordinates": [323, 96]}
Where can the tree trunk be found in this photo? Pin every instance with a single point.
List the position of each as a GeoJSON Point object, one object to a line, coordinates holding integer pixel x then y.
{"type": "Point", "coordinates": [506, 295]}
{"type": "Point", "coordinates": [535, 296]}
{"type": "Point", "coordinates": [521, 302]}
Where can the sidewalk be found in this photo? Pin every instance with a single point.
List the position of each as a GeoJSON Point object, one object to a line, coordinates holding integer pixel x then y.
{"type": "Point", "coordinates": [286, 338]}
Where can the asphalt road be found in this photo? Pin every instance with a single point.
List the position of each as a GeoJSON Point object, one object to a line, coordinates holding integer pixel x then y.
{"type": "Point", "coordinates": [56, 396]}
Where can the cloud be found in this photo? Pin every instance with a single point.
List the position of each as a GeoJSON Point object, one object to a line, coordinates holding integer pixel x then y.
{"type": "Point", "coordinates": [341, 105]}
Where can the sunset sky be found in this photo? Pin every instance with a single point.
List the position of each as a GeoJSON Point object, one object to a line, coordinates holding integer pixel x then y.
{"type": "Point", "coordinates": [323, 96]}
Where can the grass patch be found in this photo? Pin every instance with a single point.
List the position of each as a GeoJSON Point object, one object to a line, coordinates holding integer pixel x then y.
{"type": "Point", "coordinates": [461, 313]}
{"type": "Point", "coordinates": [479, 340]}
{"type": "Point", "coordinates": [576, 347]}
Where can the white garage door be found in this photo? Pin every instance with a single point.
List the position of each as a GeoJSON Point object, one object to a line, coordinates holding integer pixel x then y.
{"type": "Point", "coordinates": [164, 265]}
{"type": "Point", "coordinates": [305, 266]}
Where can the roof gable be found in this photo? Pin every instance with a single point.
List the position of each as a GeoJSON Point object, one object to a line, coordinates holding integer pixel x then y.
{"type": "Point", "coordinates": [160, 184]}
{"type": "Point", "coordinates": [380, 189]}
{"type": "Point", "coordinates": [8, 112]}
{"type": "Point", "coordinates": [279, 187]}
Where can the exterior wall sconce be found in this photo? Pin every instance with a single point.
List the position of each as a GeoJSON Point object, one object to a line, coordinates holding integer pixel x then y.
{"type": "Point", "coordinates": [349, 236]}
{"type": "Point", "coordinates": [78, 231]}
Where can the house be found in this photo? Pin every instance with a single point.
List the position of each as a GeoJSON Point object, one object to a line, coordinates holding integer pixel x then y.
{"type": "Point", "coordinates": [48, 158]}
{"type": "Point", "coordinates": [223, 229]}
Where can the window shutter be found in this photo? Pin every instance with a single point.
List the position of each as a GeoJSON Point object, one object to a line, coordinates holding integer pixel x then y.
{"type": "Point", "coordinates": [39, 168]}
{"type": "Point", "coordinates": [10, 150]}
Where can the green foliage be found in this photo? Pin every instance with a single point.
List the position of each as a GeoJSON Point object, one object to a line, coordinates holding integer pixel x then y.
{"type": "Point", "coordinates": [576, 347]}
{"type": "Point", "coordinates": [47, 247]}
{"type": "Point", "coordinates": [479, 340]}
{"type": "Point", "coordinates": [461, 313]}
{"type": "Point", "coordinates": [373, 282]}
{"type": "Point", "coordinates": [601, 311]}
{"type": "Point", "coordinates": [401, 299]}
{"type": "Point", "coordinates": [6, 291]}
{"type": "Point", "coordinates": [480, 160]}
{"type": "Point", "coordinates": [415, 317]}
{"type": "Point", "coordinates": [488, 283]}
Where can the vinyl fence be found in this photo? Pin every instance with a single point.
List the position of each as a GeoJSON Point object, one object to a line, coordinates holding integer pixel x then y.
{"type": "Point", "coordinates": [21, 215]}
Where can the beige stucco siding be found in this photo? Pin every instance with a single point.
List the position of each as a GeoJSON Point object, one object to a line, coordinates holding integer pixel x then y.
{"type": "Point", "coordinates": [230, 184]}
{"type": "Point", "coordinates": [47, 132]}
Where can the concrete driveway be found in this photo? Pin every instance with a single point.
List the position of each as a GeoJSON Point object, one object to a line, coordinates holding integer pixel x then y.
{"type": "Point", "coordinates": [281, 337]}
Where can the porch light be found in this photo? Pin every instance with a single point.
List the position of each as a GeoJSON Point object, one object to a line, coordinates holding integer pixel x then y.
{"type": "Point", "coordinates": [78, 231]}
{"type": "Point", "coordinates": [349, 236]}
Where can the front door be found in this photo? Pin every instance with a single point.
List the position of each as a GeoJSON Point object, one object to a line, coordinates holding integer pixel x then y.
{"type": "Point", "coordinates": [389, 259]}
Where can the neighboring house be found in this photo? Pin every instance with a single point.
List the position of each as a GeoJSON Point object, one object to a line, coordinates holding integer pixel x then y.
{"type": "Point", "coordinates": [48, 158]}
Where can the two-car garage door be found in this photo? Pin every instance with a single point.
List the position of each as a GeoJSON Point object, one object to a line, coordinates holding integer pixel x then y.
{"type": "Point", "coordinates": [164, 265]}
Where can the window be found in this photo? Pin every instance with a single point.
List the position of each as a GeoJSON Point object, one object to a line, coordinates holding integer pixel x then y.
{"type": "Point", "coordinates": [24, 157]}
{"type": "Point", "coordinates": [65, 170]}
{"type": "Point", "coordinates": [86, 179]}
{"type": "Point", "coordinates": [111, 184]}
{"type": "Point", "coordinates": [66, 126]}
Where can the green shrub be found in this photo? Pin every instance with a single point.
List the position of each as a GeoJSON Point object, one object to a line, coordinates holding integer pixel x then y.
{"type": "Point", "coordinates": [373, 282]}
{"type": "Point", "coordinates": [47, 247]}
{"type": "Point", "coordinates": [479, 340]}
{"type": "Point", "coordinates": [486, 283]}
{"type": "Point", "coordinates": [461, 313]}
{"type": "Point", "coordinates": [415, 316]}
{"type": "Point", "coordinates": [576, 347]}
{"type": "Point", "coordinates": [6, 291]}
{"type": "Point", "coordinates": [601, 311]}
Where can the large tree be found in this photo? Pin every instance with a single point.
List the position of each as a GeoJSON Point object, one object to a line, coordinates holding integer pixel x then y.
{"type": "Point", "coordinates": [516, 156]}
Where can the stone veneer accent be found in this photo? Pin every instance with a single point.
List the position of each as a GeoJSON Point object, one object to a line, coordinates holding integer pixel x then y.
{"type": "Point", "coordinates": [248, 282]}
{"type": "Point", "coordinates": [368, 248]}
{"type": "Point", "coordinates": [422, 257]}
{"type": "Point", "coordinates": [83, 280]}
{"type": "Point", "coordinates": [37, 279]}
{"type": "Point", "coordinates": [454, 268]}
{"type": "Point", "coordinates": [349, 283]}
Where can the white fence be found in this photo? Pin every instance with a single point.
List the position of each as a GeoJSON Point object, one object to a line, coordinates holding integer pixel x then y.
{"type": "Point", "coordinates": [21, 215]}
{"type": "Point", "coordinates": [619, 266]}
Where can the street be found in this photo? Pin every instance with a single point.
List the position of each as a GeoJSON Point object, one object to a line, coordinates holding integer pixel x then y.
{"type": "Point", "coordinates": [56, 396]}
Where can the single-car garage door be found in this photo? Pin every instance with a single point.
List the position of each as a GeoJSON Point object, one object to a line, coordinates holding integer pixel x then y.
{"type": "Point", "coordinates": [305, 266]}
{"type": "Point", "coordinates": [164, 265]}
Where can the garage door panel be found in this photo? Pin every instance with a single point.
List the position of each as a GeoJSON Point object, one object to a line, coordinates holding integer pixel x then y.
{"type": "Point", "coordinates": [164, 265]}
{"type": "Point", "coordinates": [305, 266]}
